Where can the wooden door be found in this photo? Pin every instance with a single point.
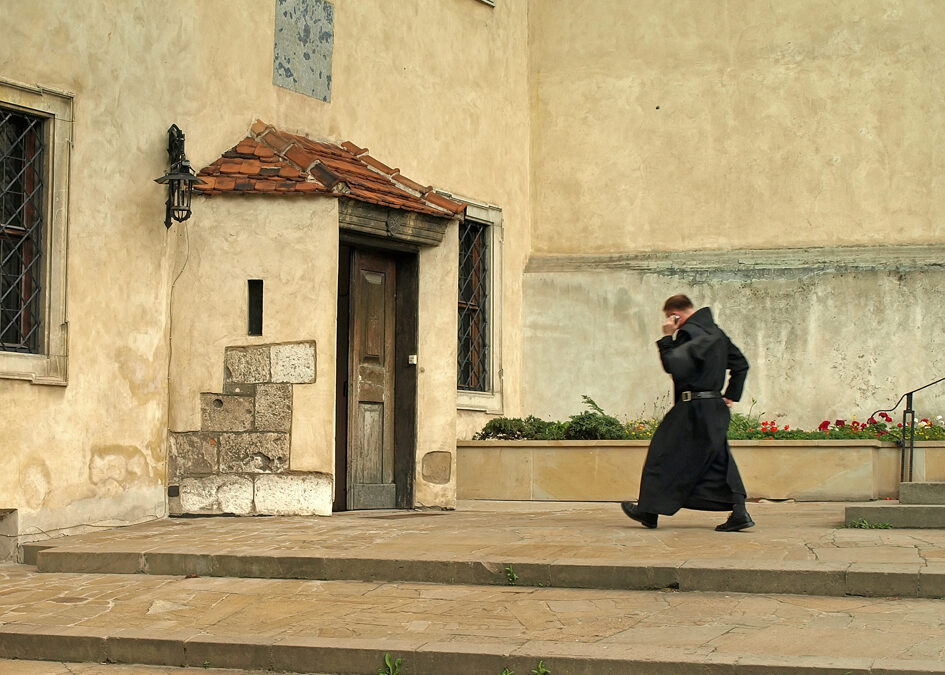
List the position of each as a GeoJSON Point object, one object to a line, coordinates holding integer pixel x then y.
{"type": "Point", "coordinates": [370, 465]}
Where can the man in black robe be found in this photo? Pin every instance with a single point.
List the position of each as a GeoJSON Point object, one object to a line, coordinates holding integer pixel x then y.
{"type": "Point", "coordinates": [689, 464]}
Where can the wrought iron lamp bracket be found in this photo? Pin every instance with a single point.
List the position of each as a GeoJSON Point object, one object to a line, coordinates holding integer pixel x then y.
{"type": "Point", "coordinates": [180, 179]}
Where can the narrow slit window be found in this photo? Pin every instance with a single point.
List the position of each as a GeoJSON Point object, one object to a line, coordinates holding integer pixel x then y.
{"type": "Point", "coordinates": [255, 306]}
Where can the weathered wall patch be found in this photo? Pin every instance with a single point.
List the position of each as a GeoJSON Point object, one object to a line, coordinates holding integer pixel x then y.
{"type": "Point", "coordinates": [304, 32]}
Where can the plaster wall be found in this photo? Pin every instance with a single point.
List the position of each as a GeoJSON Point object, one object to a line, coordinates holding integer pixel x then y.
{"type": "Point", "coordinates": [436, 378]}
{"type": "Point", "coordinates": [829, 333]}
{"type": "Point", "coordinates": [739, 124]}
{"type": "Point", "coordinates": [292, 246]}
{"type": "Point", "coordinates": [610, 470]}
{"type": "Point", "coordinates": [436, 87]}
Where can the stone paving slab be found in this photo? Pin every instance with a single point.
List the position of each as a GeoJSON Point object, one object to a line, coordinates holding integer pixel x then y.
{"type": "Point", "coordinates": [348, 626]}
{"type": "Point", "coordinates": [795, 548]}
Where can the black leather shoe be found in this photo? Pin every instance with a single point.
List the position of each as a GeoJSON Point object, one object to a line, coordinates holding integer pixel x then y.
{"type": "Point", "coordinates": [645, 519]}
{"type": "Point", "coordinates": [735, 523]}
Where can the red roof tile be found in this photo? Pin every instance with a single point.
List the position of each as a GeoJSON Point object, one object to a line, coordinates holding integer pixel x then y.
{"type": "Point", "coordinates": [271, 161]}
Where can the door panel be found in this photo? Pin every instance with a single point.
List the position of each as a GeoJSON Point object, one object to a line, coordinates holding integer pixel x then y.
{"type": "Point", "coordinates": [371, 383]}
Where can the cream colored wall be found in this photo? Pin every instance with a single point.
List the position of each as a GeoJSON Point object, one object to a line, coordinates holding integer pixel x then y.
{"type": "Point", "coordinates": [740, 124]}
{"type": "Point", "coordinates": [435, 87]}
{"type": "Point", "coordinates": [829, 334]}
{"type": "Point", "coordinates": [723, 150]}
{"type": "Point", "coordinates": [610, 470]}
{"type": "Point", "coordinates": [292, 245]}
{"type": "Point", "coordinates": [436, 377]}
{"type": "Point", "coordinates": [94, 451]}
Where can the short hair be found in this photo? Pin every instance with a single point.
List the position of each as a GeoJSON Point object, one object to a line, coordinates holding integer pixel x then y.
{"type": "Point", "coordinates": [677, 302]}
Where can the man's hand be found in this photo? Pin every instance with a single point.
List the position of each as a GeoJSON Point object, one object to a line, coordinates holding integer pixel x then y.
{"type": "Point", "coordinates": [729, 402]}
{"type": "Point", "coordinates": [669, 326]}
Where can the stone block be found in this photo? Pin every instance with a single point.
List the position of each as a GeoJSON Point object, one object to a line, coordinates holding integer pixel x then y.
{"type": "Point", "coordinates": [52, 643]}
{"type": "Point", "coordinates": [650, 576]}
{"type": "Point", "coordinates": [135, 645]}
{"type": "Point", "coordinates": [798, 577]}
{"type": "Point", "coordinates": [881, 580]}
{"type": "Point", "coordinates": [192, 453]}
{"type": "Point", "coordinates": [292, 565]}
{"type": "Point", "coordinates": [932, 581]}
{"type": "Point", "coordinates": [293, 363]}
{"type": "Point", "coordinates": [239, 389]}
{"type": "Point", "coordinates": [9, 532]}
{"type": "Point", "coordinates": [922, 493]}
{"type": "Point", "coordinates": [274, 407]}
{"type": "Point", "coordinates": [258, 452]}
{"type": "Point", "coordinates": [217, 494]}
{"type": "Point", "coordinates": [299, 653]}
{"type": "Point", "coordinates": [293, 494]}
{"type": "Point", "coordinates": [899, 515]}
{"type": "Point", "coordinates": [177, 564]}
{"type": "Point", "coordinates": [243, 652]}
{"type": "Point", "coordinates": [248, 365]}
{"type": "Point", "coordinates": [220, 412]}
{"type": "Point", "coordinates": [89, 562]}
{"type": "Point", "coordinates": [437, 467]}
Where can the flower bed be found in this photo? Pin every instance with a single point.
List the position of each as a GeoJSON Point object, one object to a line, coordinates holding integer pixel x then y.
{"type": "Point", "coordinates": [595, 457]}
{"type": "Point", "coordinates": [595, 424]}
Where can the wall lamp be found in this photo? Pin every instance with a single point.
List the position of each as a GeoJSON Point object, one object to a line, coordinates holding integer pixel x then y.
{"type": "Point", "coordinates": [180, 179]}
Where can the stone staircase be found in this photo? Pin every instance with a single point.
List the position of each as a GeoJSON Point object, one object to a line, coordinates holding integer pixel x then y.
{"type": "Point", "coordinates": [920, 505]}
{"type": "Point", "coordinates": [578, 588]}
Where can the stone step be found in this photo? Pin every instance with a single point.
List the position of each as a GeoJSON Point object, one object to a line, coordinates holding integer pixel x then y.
{"type": "Point", "coordinates": [899, 515]}
{"type": "Point", "coordinates": [806, 577]}
{"type": "Point", "coordinates": [349, 627]}
{"type": "Point", "coordinates": [922, 493]}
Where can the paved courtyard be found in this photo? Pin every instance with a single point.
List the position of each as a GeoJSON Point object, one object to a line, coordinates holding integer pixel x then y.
{"type": "Point", "coordinates": [348, 597]}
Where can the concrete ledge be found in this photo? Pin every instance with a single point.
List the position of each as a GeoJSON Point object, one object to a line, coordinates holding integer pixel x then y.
{"type": "Point", "coordinates": [52, 643]}
{"type": "Point", "coordinates": [856, 470]}
{"type": "Point", "coordinates": [91, 562]}
{"type": "Point", "coordinates": [922, 493]}
{"type": "Point", "coordinates": [794, 577]}
{"type": "Point", "coordinates": [420, 657]}
{"type": "Point", "coordinates": [908, 580]}
{"type": "Point", "coordinates": [899, 515]}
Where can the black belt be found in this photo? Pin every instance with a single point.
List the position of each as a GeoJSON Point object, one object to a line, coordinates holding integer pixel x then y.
{"type": "Point", "coordinates": [689, 395]}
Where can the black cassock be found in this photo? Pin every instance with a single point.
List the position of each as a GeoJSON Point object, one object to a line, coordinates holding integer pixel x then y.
{"type": "Point", "coordinates": [689, 464]}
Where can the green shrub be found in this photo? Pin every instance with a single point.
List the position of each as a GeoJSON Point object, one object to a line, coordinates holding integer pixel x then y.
{"type": "Point", "coordinates": [516, 429]}
{"type": "Point", "coordinates": [595, 424]}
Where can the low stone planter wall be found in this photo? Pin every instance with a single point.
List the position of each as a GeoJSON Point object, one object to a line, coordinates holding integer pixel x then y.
{"type": "Point", "coordinates": [610, 470]}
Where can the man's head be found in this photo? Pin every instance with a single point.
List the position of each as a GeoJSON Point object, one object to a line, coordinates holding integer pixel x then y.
{"type": "Point", "coordinates": [678, 305]}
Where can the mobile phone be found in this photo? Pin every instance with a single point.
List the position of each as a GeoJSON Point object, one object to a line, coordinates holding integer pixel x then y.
{"type": "Point", "coordinates": [675, 319]}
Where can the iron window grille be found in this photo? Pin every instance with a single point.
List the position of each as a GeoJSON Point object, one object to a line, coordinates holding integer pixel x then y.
{"type": "Point", "coordinates": [473, 351]}
{"type": "Point", "coordinates": [22, 194]}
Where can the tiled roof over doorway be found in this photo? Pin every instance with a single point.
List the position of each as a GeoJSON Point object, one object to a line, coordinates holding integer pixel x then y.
{"type": "Point", "coordinates": [273, 162]}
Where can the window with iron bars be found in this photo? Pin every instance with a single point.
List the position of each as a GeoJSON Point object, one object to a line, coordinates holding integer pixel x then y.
{"type": "Point", "coordinates": [473, 352]}
{"type": "Point", "coordinates": [22, 195]}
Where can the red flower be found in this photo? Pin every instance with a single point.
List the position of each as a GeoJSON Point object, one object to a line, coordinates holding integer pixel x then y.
{"type": "Point", "coordinates": [872, 420]}
{"type": "Point", "coordinates": [824, 426]}
{"type": "Point", "coordinates": [787, 426]}
{"type": "Point", "coordinates": [886, 417]}
{"type": "Point", "coordinates": [839, 423]}
{"type": "Point", "coordinates": [764, 424]}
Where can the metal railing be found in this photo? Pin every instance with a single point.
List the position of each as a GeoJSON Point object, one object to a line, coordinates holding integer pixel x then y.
{"type": "Point", "coordinates": [907, 444]}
